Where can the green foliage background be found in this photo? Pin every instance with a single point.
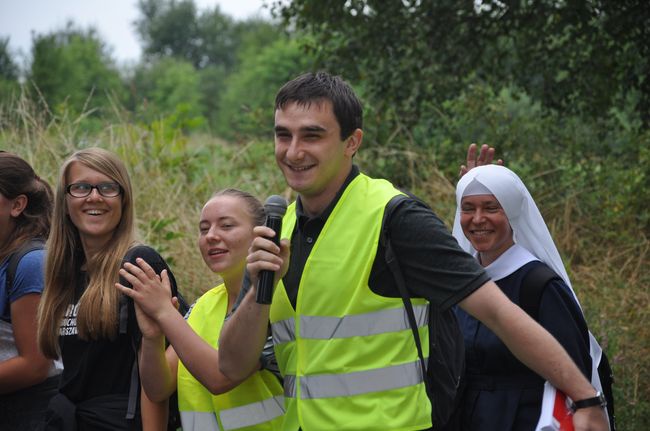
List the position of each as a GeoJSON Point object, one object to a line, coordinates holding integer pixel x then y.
{"type": "Point", "coordinates": [560, 88]}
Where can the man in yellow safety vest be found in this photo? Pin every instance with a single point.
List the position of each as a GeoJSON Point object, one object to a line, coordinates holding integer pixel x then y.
{"type": "Point", "coordinates": [340, 332]}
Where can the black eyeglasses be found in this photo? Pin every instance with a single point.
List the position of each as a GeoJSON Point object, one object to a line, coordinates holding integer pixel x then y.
{"type": "Point", "coordinates": [81, 190]}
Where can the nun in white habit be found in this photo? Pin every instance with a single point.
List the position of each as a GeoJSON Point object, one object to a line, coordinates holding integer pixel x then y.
{"type": "Point", "coordinates": [498, 222]}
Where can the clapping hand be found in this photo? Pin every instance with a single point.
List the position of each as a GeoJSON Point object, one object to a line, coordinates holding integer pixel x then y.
{"type": "Point", "coordinates": [151, 294]}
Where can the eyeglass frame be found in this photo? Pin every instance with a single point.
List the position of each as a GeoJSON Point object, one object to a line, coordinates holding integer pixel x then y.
{"type": "Point", "coordinates": [94, 186]}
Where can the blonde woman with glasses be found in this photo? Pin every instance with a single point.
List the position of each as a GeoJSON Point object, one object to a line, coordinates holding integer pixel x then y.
{"type": "Point", "coordinates": [82, 317]}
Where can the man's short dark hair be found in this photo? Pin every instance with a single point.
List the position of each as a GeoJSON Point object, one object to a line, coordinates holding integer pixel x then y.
{"type": "Point", "coordinates": [316, 87]}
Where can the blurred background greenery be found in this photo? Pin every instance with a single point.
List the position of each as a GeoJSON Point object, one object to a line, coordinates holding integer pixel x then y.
{"type": "Point", "coordinates": [562, 89]}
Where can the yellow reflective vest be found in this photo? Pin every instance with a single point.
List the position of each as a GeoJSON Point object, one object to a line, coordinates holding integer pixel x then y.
{"type": "Point", "coordinates": [347, 355]}
{"type": "Point", "coordinates": [256, 404]}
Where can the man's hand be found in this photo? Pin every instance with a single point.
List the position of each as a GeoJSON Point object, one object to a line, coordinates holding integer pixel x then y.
{"type": "Point", "coordinates": [244, 333]}
{"type": "Point", "coordinates": [263, 254]}
{"type": "Point", "coordinates": [485, 157]}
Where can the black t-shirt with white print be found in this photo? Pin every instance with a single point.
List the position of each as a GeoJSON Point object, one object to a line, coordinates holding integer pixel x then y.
{"type": "Point", "coordinates": [101, 367]}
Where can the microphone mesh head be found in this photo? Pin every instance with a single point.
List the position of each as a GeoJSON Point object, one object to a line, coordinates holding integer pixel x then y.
{"type": "Point", "coordinates": [275, 206]}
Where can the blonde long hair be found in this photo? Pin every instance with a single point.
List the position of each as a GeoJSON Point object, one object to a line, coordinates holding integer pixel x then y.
{"type": "Point", "coordinates": [98, 306]}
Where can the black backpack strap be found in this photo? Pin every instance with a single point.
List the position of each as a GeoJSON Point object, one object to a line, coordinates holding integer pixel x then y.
{"type": "Point", "coordinates": [533, 286]}
{"type": "Point", "coordinates": [123, 319]}
{"type": "Point", "coordinates": [134, 388]}
{"type": "Point", "coordinates": [395, 269]}
{"type": "Point", "coordinates": [607, 381]}
{"type": "Point", "coordinates": [134, 385]}
{"type": "Point", "coordinates": [14, 259]}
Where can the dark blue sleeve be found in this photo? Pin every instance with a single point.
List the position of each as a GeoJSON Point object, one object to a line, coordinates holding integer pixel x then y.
{"type": "Point", "coordinates": [561, 316]}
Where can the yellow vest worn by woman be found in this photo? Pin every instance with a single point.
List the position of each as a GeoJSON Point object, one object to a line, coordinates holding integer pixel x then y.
{"type": "Point", "coordinates": [256, 404]}
{"type": "Point", "coordinates": [347, 355]}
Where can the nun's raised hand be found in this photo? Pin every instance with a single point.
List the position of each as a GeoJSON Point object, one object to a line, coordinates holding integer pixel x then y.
{"type": "Point", "coordinates": [485, 156]}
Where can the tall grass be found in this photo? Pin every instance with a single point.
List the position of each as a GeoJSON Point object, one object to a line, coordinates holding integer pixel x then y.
{"type": "Point", "coordinates": [173, 175]}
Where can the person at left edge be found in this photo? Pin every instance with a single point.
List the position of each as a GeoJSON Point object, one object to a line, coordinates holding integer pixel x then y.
{"type": "Point", "coordinates": [80, 315]}
{"type": "Point", "coordinates": [27, 379]}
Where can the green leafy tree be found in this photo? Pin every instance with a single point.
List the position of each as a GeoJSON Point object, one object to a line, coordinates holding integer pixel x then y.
{"type": "Point", "coordinates": [171, 28]}
{"type": "Point", "coordinates": [247, 104]}
{"type": "Point", "coordinates": [8, 71]}
{"type": "Point", "coordinates": [71, 69]}
{"type": "Point", "coordinates": [212, 42]}
{"type": "Point", "coordinates": [176, 29]}
{"type": "Point", "coordinates": [212, 84]}
{"type": "Point", "coordinates": [254, 35]}
{"type": "Point", "coordinates": [8, 67]}
{"type": "Point", "coordinates": [577, 57]}
{"type": "Point", "coordinates": [167, 86]}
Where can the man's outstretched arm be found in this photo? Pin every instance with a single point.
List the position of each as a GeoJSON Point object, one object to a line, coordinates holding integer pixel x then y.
{"type": "Point", "coordinates": [244, 333]}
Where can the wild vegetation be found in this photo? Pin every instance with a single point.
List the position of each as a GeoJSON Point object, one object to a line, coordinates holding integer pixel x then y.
{"type": "Point", "coordinates": [562, 92]}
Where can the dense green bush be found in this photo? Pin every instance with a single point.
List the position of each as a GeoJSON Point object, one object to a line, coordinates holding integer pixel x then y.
{"type": "Point", "coordinates": [165, 87]}
{"type": "Point", "coordinates": [247, 103]}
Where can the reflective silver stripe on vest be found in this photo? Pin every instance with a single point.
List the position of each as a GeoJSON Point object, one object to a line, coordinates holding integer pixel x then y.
{"type": "Point", "coordinates": [283, 331]}
{"type": "Point", "coordinates": [290, 386]}
{"type": "Point", "coordinates": [358, 325]}
{"type": "Point", "coordinates": [357, 383]}
{"type": "Point", "coordinates": [199, 421]}
{"type": "Point", "coordinates": [252, 414]}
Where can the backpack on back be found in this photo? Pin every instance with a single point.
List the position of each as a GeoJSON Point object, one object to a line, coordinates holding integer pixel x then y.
{"type": "Point", "coordinates": [174, 417]}
{"type": "Point", "coordinates": [446, 363]}
{"type": "Point", "coordinates": [535, 281]}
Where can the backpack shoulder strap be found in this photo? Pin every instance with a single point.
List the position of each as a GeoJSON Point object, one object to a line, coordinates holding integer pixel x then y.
{"type": "Point", "coordinates": [384, 238]}
{"type": "Point", "coordinates": [534, 283]}
{"type": "Point", "coordinates": [393, 265]}
{"type": "Point", "coordinates": [134, 384]}
{"type": "Point", "coordinates": [16, 256]}
{"type": "Point", "coordinates": [530, 297]}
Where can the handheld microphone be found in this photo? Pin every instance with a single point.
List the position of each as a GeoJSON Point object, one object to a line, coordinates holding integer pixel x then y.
{"type": "Point", "coordinates": [274, 207]}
